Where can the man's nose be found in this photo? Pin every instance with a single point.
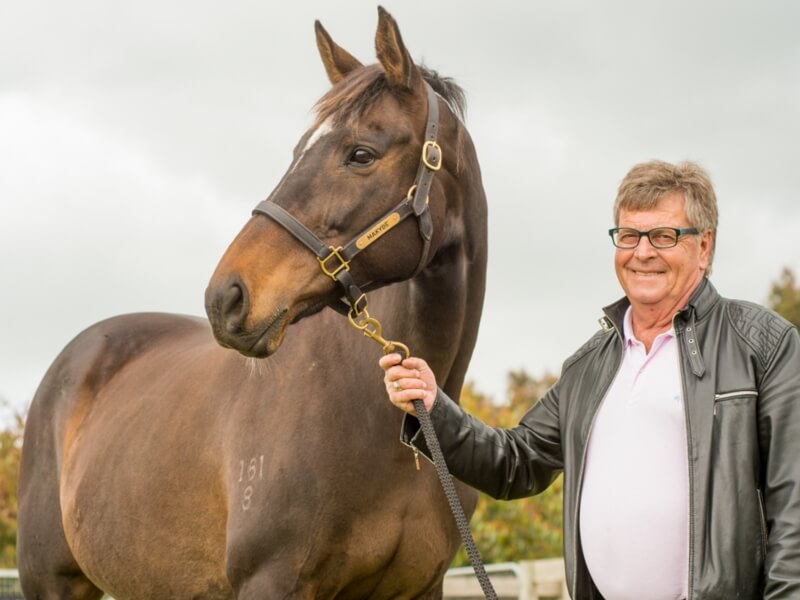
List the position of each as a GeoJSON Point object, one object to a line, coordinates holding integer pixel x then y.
{"type": "Point", "coordinates": [644, 249]}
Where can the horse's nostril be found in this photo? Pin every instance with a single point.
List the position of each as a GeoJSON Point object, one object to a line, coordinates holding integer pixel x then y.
{"type": "Point", "coordinates": [231, 298]}
{"type": "Point", "coordinates": [228, 306]}
{"type": "Point", "coordinates": [234, 306]}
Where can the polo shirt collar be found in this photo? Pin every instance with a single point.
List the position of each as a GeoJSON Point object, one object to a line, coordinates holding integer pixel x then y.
{"type": "Point", "coordinates": [630, 338]}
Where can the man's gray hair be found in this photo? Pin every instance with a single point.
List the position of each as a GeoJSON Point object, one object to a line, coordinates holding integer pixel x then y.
{"type": "Point", "coordinates": [648, 182]}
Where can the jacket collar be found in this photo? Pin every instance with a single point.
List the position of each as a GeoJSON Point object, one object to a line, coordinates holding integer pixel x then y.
{"type": "Point", "coordinates": [702, 300]}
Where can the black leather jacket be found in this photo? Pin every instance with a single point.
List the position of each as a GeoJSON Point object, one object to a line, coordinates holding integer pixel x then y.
{"type": "Point", "coordinates": [740, 365]}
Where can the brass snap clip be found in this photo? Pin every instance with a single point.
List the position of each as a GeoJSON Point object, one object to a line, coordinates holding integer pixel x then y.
{"type": "Point", "coordinates": [371, 328]}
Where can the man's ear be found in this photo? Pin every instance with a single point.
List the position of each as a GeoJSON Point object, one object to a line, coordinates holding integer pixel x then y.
{"type": "Point", "coordinates": [706, 248]}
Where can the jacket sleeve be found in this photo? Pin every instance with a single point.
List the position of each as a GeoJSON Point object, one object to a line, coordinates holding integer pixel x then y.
{"type": "Point", "coordinates": [779, 435]}
{"type": "Point", "coordinates": [504, 463]}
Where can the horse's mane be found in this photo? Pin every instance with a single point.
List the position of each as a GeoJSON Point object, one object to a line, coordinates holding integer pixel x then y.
{"type": "Point", "coordinates": [346, 102]}
{"type": "Point", "coordinates": [449, 90]}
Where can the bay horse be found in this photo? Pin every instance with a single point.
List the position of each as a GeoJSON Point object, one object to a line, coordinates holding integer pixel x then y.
{"type": "Point", "coordinates": [160, 462]}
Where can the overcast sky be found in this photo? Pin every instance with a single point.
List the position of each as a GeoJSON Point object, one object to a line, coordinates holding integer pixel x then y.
{"type": "Point", "coordinates": [136, 137]}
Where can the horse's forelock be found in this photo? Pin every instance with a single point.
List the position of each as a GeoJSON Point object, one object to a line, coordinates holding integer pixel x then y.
{"type": "Point", "coordinates": [347, 101]}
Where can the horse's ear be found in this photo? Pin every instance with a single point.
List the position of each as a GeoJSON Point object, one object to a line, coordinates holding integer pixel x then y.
{"type": "Point", "coordinates": [400, 70]}
{"type": "Point", "coordinates": [338, 61]}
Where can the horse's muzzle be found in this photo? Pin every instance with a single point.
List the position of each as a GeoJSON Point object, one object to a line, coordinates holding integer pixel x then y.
{"type": "Point", "coordinates": [228, 307]}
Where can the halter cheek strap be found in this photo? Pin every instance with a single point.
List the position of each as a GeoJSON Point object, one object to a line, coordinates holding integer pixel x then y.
{"type": "Point", "coordinates": [430, 162]}
{"type": "Point", "coordinates": [335, 261]}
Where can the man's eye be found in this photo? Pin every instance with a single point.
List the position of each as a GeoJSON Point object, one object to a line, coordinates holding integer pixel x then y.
{"type": "Point", "coordinates": [361, 157]}
{"type": "Point", "coordinates": [663, 237]}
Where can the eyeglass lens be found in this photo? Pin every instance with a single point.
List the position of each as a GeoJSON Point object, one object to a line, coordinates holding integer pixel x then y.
{"type": "Point", "coordinates": [661, 237]}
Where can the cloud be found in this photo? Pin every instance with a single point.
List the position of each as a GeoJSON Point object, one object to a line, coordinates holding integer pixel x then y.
{"type": "Point", "coordinates": [92, 227]}
{"type": "Point", "coordinates": [136, 138]}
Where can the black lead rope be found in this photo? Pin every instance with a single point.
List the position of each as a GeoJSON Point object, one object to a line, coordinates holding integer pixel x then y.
{"type": "Point", "coordinates": [446, 479]}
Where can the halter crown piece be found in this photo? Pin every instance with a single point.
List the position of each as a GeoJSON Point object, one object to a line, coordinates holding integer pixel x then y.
{"type": "Point", "coordinates": [335, 261]}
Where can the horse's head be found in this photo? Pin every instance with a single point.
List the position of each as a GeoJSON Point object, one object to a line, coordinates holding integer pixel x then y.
{"type": "Point", "coordinates": [349, 173]}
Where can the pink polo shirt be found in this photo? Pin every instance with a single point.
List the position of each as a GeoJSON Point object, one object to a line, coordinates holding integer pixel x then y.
{"type": "Point", "coordinates": [634, 513]}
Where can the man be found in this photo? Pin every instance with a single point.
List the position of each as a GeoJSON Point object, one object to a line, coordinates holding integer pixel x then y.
{"type": "Point", "coordinates": [677, 426]}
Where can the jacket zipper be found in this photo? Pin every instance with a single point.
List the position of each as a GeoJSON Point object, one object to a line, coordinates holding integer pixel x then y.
{"type": "Point", "coordinates": [738, 394]}
{"type": "Point", "coordinates": [690, 465]}
{"type": "Point", "coordinates": [728, 395]}
{"type": "Point", "coordinates": [580, 473]}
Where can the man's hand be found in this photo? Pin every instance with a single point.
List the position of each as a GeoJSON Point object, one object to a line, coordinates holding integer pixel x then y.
{"type": "Point", "coordinates": [408, 380]}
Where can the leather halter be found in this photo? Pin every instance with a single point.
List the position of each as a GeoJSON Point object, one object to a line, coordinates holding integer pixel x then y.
{"type": "Point", "coordinates": [335, 261]}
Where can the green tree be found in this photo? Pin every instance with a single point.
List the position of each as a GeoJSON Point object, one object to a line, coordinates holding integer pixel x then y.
{"type": "Point", "coordinates": [10, 446]}
{"type": "Point", "coordinates": [784, 297]}
{"type": "Point", "coordinates": [523, 529]}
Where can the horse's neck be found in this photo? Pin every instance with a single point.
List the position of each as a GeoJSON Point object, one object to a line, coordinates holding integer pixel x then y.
{"type": "Point", "coordinates": [437, 313]}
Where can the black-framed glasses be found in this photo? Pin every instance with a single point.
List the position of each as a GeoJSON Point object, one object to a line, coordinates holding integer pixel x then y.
{"type": "Point", "coordinates": [660, 237]}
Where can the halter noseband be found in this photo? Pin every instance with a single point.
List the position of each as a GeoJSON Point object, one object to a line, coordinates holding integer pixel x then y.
{"type": "Point", "coordinates": [335, 261]}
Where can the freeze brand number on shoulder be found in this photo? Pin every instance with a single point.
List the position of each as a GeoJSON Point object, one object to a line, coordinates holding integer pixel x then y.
{"type": "Point", "coordinates": [250, 471]}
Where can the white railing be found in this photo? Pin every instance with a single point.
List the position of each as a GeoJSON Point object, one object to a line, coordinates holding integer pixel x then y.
{"type": "Point", "coordinates": [9, 584]}
{"type": "Point", "coordinates": [10, 588]}
{"type": "Point", "coordinates": [524, 580]}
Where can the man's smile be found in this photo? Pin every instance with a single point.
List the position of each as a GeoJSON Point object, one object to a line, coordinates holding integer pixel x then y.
{"type": "Point", "coordinates": [645, 273]}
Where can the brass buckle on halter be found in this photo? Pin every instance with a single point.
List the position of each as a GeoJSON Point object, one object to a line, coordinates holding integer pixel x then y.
{"type": "Point", "coordinates": [343, 264]}
{"type": "Point", "coordinates": [359, 306]}
{"type": "Point", "coordinates": [436, 162]}
{"type": "Point", "coordinates": [410, 194]}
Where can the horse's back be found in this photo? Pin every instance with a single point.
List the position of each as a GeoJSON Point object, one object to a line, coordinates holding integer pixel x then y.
{"type": "Point", "coordinates": [69, 425]}
{"type": "Point", "coordinates": [84, 367]}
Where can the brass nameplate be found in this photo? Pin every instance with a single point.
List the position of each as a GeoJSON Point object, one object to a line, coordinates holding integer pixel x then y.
{"type": "Point", "coordinates": [377, 231]}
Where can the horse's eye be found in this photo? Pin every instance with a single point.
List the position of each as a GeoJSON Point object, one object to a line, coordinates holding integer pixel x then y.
{"type": "Point", "coordinates": [361, 157]}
